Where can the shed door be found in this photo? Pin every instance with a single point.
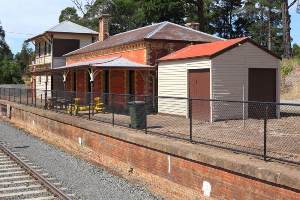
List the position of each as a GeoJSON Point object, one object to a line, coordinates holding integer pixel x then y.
{"type": "Point", "coordinates": [262, 87]}
{"type": "Point", "coordinates": [199, 87]}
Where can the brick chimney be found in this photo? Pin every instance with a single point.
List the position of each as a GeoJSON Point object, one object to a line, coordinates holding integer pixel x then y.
{"type": "Point", "coordinates": [103, 27]}
{"type": "Point", "coordinates": [193, 25]}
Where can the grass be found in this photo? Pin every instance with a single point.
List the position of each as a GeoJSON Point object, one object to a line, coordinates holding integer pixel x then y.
{"type": "Point", "coordinates": [287, 67]}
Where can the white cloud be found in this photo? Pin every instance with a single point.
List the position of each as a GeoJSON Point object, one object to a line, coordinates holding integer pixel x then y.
{"type": "Point", "coordinates": [28, 16]}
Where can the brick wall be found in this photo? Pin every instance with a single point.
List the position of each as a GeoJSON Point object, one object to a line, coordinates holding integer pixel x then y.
{"type": "Point", "coordinates": [98, 83]}
{"type": "Point", "coordinates": [133, 52]}
{"type": "Point", "coordinates": [170, 175]}
{"type": "Point", "coordinates": [81, 79]}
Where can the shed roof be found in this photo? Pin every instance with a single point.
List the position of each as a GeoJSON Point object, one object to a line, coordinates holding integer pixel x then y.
{"type": "Point", "coordinates": [67, 27]}
{"type": "Point", "coordinates": [159, 31]}
{"type": "Point", "coordinates": [210, 49]}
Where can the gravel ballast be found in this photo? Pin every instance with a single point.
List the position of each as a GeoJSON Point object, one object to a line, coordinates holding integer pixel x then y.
{"type": "Point", "coordinates": [86, 180]}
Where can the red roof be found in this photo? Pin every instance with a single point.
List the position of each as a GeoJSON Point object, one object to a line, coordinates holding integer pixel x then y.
{"type": "Point", "coordinates": [204, 50]}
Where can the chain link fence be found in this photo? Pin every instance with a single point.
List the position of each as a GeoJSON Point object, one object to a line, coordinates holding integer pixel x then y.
{"type": "Point", "coordinates": [268, 130]}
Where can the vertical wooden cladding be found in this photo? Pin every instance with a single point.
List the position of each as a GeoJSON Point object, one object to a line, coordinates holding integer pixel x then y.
{"type": "Point", "coordinates": [262, 87]}
{"type": "Point", "coordinates": [199, 88]}
{"type": "Point", "coordinates": [63, 46]}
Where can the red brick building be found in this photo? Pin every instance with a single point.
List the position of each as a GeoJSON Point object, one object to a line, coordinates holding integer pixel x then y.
{"type": "Point", "coordinates": [125, 63]}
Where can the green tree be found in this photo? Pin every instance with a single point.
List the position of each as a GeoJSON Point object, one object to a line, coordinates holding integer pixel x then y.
{"type": "Point", "coordinates": [164, 10]}
{"type": "Point", "coordinates": [296, 51]}
{"type": "Point", "coordinates": [196, 11]}
{"type": "Point", "coordinates": [10, 72]}
{"type": "Point", "coordinates": [5, 51]}
{"type": "Point", "coordinates": [70, 14]}
{"type": "Point", "coordinates": [286, 27]}
{"type": "Point", "coordinates": [264, 23]}
{"type": "Point", "coordinates": [24, 56]}
{"type": "Point", "coordinates": [125, 15]}
{"type": "Point", "coordinates": [224, 18]}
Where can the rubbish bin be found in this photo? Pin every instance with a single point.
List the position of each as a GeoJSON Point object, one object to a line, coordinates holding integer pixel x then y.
{"type": "Point", "coordinates": [137, 113]}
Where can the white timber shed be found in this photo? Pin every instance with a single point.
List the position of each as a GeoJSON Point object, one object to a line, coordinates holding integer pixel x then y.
{"type": "Point", "coordinates": [229, 70]}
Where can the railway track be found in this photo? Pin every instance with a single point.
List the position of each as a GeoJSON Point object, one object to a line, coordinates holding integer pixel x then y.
{"type": "Point", "coordinates": [20, 179]}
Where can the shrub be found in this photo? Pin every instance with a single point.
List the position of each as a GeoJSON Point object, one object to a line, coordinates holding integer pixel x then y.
{"type": "Point", "coordinates": [287, 67]}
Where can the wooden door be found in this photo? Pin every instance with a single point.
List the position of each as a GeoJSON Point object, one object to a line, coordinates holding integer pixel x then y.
{"type": "Point", "coordinates": [261, 87]}
{"type": "Point", "coordinates": [199, 88]}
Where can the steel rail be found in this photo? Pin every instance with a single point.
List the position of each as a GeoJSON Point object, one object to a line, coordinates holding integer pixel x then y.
{"type": "Point", "coordinates": [43, 181]}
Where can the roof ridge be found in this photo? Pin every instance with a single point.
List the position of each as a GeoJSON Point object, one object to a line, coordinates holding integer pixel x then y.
{"type": "Point", "coordinates": [197, 31]}
{"type": "Point", "coordinates": [137, 29]}
{"type": "Point", "coordinates": [163, 24]}
{"type": "Point", "coordinates": [73, 24]}
{"type": "Point", "coordinates": [226, 44]}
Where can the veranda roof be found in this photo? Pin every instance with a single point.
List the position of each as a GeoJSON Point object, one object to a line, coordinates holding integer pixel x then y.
{"type": "Point", "coordinates": [114, 62]}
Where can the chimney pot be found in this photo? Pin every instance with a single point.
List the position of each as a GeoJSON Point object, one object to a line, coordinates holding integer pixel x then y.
{"type": "Point", "coordinates": [193, 25]}
{"type": "Point", "coordinates": [103, 27]}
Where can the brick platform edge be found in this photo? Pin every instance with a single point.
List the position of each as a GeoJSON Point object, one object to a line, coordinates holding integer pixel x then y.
{"type": "Point", "coordinates": [170, 168]}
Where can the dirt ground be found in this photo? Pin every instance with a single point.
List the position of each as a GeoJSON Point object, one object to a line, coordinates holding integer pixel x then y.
{"type": "Point", "coordinates": [283, 134]}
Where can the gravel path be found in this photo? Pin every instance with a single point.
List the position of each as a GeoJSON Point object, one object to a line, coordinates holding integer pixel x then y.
{"type": "Point", "coordinates": [86, 180]}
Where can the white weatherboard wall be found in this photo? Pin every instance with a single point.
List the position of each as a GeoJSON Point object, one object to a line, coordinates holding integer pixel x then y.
{"type": "Point", "coordinates": [230, 72]}
{"type": "Point", "coordinates": [173, 82]}
{"type": "Point", "coordinates": [41, 86]}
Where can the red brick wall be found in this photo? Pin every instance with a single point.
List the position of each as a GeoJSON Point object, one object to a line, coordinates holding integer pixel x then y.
{"type": "Point", "coordinates": [137, 55]}
{"type": "Point", "coordinates": [98, 84]}
{"type": "Point", "coordinates": [162, 48]}
{"type": "Point", "coordinates": [117, 81]}
{"type": "Point", "coordinates": [118, 86]}
{"type": "Point", "coordinates": [81, 80]}
{"type": "Point", "coordinates": [184, 175]}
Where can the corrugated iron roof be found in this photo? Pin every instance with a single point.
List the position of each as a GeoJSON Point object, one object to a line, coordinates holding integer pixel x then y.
{"type": "Point", "coordinates": [209, 49]}
{"type": "Point", "coordinates": [70, 27]}
{"type": "Point", "coordinates": [67, 27]}
{"type": "Point", "coordinates": [160, 31]}
{"type": "Point", "coordinates": [118, 62]}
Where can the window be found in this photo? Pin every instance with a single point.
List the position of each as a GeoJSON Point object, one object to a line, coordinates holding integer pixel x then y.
{"type": "Point", "coordinates": [49, 48]}
{"type": "Point", "coordinates": [39, 49]}
{"type": "Point", "coordinates": [131, 82]}
{"type": "Point", "coordinates": [93, 39]}
{"type": "Point", "coordinates": [45, 48]}
{"type": "Point", "coordinates": [36, 49]}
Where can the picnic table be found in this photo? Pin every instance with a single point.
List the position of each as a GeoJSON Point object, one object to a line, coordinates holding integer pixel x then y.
{"type": "Point", "coordinates": [58, 102]}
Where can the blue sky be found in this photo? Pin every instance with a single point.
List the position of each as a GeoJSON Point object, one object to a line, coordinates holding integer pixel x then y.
{"type": "Point", "coordinates": [23, 17]}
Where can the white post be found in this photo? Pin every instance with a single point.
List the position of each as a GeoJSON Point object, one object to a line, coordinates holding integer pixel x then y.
{"type": "Point", "coordinates": [244, 105]}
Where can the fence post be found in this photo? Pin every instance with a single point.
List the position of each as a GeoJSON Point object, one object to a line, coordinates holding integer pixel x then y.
{"type": "Point", "coordinates": [46, 103]}
{"type": "Point", "coordinates": [191, 119]}
{"type": "Point", "coordinates": [41, 99]}
{"type": "Point", "coordinates": [54, 102]}
{"type": "Point", "coordinates": [14, 94]}
{"type": "Point", "coordinates": [8, 94]}
{"type": "Point", "coordinates": [33, 99]}
{"type": "Point", "coordinates": [27, 96]}
{"type": "Point", "coordinates": [146, 113]}
{"type": "Point", "coordinates": [113, 110]}
{"type": "Point", "coordinates": [265, 132]}
{"type": "Point", "coordinates": [20, 93]}
{"type": "Point", "coordinates": [90, 111]}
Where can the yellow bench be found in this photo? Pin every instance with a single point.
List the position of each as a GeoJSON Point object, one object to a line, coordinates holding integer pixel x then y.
{"type": "Point", "coordinates": [76, 107]}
